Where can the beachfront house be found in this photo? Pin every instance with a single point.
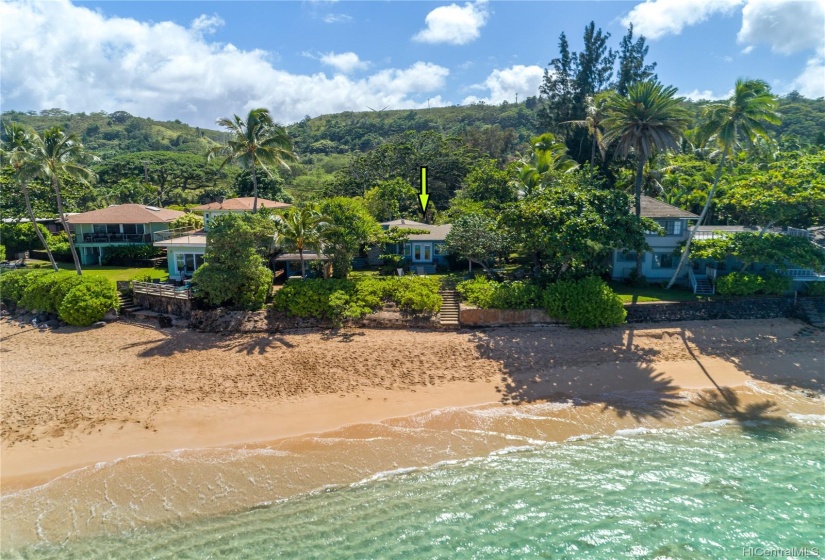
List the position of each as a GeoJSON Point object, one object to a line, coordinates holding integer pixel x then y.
{"type": "Point", "coordinates": [185, 248]}
{"type": "Point", "coordinates": [117, 225]}
{"type": "Point", "coordinates": [660, 263]}
{"type": "Point", "coordinates": [422, 252]}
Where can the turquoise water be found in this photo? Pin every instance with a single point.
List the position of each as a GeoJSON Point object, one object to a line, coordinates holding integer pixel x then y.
{"type": "Point", "coordinates": [700, 492]}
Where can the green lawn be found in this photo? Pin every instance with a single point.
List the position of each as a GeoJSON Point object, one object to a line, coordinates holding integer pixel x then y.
{"type": "Point", "coordinates": [635, 294]}
{"type": "Point", "coordinates": [113, 273]}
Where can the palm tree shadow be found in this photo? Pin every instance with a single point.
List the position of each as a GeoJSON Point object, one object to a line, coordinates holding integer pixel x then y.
{"type": "Point", "coordinates": [259, 345]}
{"type": "Point", "coordinates": [535, 367]}
{"type": "Point", "coordinates": [341, 335]}
{"type": "Point", "coordinates": [759, 419]}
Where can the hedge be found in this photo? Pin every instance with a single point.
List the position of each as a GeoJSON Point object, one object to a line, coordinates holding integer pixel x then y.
{"type": "Point", "coordinates": [78, 300]}
{"type": "Point", "coordinates": [746, 284]}
{"type": "Point", "coordinates": [337, 299]}
{"type": "Point", "coordinates": [587, 303]}
{"type": "Point", "coordinates": [490, 294]}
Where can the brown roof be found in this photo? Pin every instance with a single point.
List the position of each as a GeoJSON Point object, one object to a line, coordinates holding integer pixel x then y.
{"type": "Point", "coordinates": [243, 203]}
{"type": "Point", "coordinates": [125, 214]}
{"type": "Point", "coordinates": [652, 208]}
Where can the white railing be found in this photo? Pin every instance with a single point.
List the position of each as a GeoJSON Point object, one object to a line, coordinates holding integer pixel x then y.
{"type": "Point", "coordinates": [796, 232]}
{"type": "Point", "coordinates": [167, 234]}
{"type": "Point", "coordinates": [163, 290]}
{"type": "Point", "coordinates": [800, 273]}
{"type": "Point", "coordinates": [711, 273]}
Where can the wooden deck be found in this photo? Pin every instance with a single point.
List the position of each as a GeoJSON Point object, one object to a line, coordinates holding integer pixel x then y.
{"type": "Point", "coordinates": [162, 290]}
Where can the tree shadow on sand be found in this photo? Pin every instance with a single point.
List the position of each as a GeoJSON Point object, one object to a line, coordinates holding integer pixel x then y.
{"type": "Point", "coordinates": [612, 372]}
{"type": "Point", "coordinates": [259, 345]}
{"type": "Point", "coordinates": [757, 356]}
{"type": "Point", "coordinates": [341, 335]}
{"type": "Point", "coordinates": [759, 419]}
{"type": "Point", "coordinates": [172, 343]}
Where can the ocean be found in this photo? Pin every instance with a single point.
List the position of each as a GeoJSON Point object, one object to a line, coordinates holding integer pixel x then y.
{"type": "Point", "coordinates": [714, 490]}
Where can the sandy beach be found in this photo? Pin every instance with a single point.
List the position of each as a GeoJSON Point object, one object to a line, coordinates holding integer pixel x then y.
{"type": "Point", "coordinates": [76, 397]}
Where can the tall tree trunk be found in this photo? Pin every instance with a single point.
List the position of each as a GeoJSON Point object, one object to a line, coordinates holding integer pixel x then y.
{"type": "Point", "coordinates": [701, 219]}
{"type": "Point", "coordinates": [56, 186]}
{"type": "Point", "coordinates": [255, 191]}
{"type": "Point", "coordinates": [592, 156]}
{"type": "Point", "coordinates": [37, 229]}
{"type": "Point", "coordinates": [637, 193]}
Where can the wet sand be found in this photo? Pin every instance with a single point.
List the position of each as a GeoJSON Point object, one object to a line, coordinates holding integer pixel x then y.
{"type": "Point", "coordinates": [76, 397]}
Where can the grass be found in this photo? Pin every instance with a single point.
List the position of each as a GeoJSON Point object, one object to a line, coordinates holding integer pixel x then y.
{"type": "Point", "coordinates": [113, 273]}
{"type": "Point", "coordinates": [634, 294]}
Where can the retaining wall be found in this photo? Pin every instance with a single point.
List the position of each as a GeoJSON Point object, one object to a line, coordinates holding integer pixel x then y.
{"type": "Point", "coordinates": [744, 308]}
{"type": "Point", "coordinates": [172, 306]}
{"type": "Point", "coordinates": [475, 317]}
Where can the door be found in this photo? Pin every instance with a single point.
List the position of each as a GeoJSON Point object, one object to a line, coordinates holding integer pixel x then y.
{"type": "Point", "coordinates": [422, 252]}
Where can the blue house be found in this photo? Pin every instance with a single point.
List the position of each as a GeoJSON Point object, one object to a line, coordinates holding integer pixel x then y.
{"type": "Point", "coordinates": [425, 249]}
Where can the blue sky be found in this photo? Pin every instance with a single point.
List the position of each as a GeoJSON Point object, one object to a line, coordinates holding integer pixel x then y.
{"type": "Point", "coordinates": [199, 60]}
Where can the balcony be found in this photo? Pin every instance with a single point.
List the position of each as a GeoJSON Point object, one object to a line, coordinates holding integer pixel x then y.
{"type": "Point", "coordinates": [112, 238]}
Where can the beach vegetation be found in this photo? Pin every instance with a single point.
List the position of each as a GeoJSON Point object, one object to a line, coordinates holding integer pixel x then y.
{"type": "Point", "coordinates": [475, 238]}
{"type": "Point", "coordinates": [350, 229]}
{"type": "Point", "coordinates": [45, 292]}
{"type": "Point", "coordinates": [747, 284]}
{"type": "Point", "coordinates": [190, 220]}
{"type": "Point", "coordinates": [584, 303]}
{"type": "Point", "coordinates": [13, 284]}
{"type": "Point", "coordinates": [234, 272]}
{"type": "Point", "coordinates": [490, 294]}
{"type": "Point", "coordinates": [300, 229]}
{"type": "Point", "coordinates": [88, 301]}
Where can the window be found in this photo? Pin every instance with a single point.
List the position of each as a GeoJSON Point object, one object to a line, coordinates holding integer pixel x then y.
{"type": "Point", "coordinates": [664, 260]}
{"type": "Point", "coordinates": [671, 227]}
{"type": "Point", "coordinates": [188, 262]}
{"type": "Point", "coordinates": [133, 229]}
{"type": "Point", "coordinates": [627, 256]}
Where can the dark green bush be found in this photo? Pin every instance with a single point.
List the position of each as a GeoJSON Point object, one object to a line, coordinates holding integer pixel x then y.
{"type": "Point", "coordinates": [59, 246]}
{"type": "Point", "coordinates": [815, 289]}
{"type": "Point", "coordinates": [417, 294]}
{"type": "Point", "coordinates": [42, 294]}
{"type": "Point", "coordinates": [128, 254]}
{"type": "Point", "coordinates": [88, 301]}
{"type": "Point", "coordinates": [490, 294]}
{"type": "Point", "coordinates": [586, 303]}
{"type": "Point", "coordinates": [245, 288]}
{"type": "Point", "coordinates": [748, 283]}
{"type": "Point", "coordinates": [14, 282]}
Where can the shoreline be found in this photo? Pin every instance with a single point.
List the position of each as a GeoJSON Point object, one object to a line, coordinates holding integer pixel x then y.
{"type": "Point", "coordinates": [106, 411]}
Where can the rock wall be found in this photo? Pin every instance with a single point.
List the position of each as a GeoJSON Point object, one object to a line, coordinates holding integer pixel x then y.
{"type": "Point", "coordinates": [744, 308]}
{"type": "Point", "coordinates": [171, 306]}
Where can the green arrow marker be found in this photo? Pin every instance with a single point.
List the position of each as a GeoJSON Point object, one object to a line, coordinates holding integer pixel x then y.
{"type": "Point", "coordinates": [423, 198]}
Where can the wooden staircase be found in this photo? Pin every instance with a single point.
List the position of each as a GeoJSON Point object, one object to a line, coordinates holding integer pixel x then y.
{"type": "Point", "coordinates": [449, 313]}
{"type": "Point", "coordinates": [127, 304]}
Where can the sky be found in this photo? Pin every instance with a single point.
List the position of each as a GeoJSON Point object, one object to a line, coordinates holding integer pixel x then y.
{"type": "Point", "coordinates": [198, 61]}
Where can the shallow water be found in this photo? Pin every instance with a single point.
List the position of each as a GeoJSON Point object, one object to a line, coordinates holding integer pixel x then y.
{"type": "Point", "coordinates": [704, 491]}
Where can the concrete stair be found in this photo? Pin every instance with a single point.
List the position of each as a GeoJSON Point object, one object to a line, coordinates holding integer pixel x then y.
{"type": "Point", "coordinates": [703, 287]}
{"type": "Point", "coordinates": [812, 313]}
{"type": "Point", "coordinates": [127, 304]}
{"type": "Point", "coordinates": [449, 314]}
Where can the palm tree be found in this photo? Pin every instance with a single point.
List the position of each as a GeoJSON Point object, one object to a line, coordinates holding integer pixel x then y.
{"type": "Point", "coordinates": [55, 154]}
{"type": "Point", "coordinates": [301, 228]}
{"type": "Point", "coordinates": [732, 123]}
{"type": "Point", "coordinates": [595, 110]}
{"type": "Point", "coordinates": [17, 144]}
{"type": "Point", "coordinates": [647, 121]}
{"type": "Point", "coordinates": [256, 141]}
{"type": "Point", "coordinates": [547, 155]}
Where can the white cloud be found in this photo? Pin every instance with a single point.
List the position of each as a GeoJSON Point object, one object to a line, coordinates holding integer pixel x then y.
{"type": "Point", "coordinates": [337, 18]}
{"type": "Point", "coordinates": [344, 62]}
{"type": "Point", "coordinates": [705, 95]}
{"type": "Point", "coordinates": [206, 25]}
{"type": "Point", "coordinates": [657, 18]}
{"type": "Point", "coordinates": [166, 71]}
{"type": "Point", "coordinates": [504, 85]}
{"type": "Point", "coordinates": [787, 26]}
{"type": "Point", "coordinates": [454, 24]}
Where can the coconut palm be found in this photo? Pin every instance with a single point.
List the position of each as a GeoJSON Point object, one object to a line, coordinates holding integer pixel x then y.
{"type": "Point", "coordinates": [16, 146]}
{"type": "Point", "coordinates": [547, 155]}
{"type": "Point", "coordinates": [53, 155]}
{"type": "Point", "coordinates": [647, 121]}
{"type": "Point", "coordinates": [256, 141]}
{"type": "Point", "coordinates": [595, 111]}
{"type": "Point", "coordinates": [301, 228]}
{"type": "Point", "coordinates": [738, 122]}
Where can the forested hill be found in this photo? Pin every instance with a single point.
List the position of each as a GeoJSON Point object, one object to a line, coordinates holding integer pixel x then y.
{"type": "Point", "coordinates": [109, 134]}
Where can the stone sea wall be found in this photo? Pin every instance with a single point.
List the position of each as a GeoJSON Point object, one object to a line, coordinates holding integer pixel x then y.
{"type": "Point", "coordinates": [170, 306]}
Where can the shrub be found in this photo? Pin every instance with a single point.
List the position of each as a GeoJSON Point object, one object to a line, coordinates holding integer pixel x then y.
{"type": "Point", "coordinates": [244, 288]}
{"type": "Point", "coordinates": [485, 293]}
{"type": "Point", "coordinates": [46, 291]}
{"type": "Point", "coordinates": [2, 252]}
{"type": "Point", "coordinates": [188, 221]}
{"type": "Point", "coordinates": [417, 294]}
{"type": "Point", "coordinates": [815, 289]}
{"type": "Point", "coordinates": [88, 301]}
{"type": "Point", "coordinates": [127, 254]}
{"type": "Point", "coordinates": [311, 298]}
{"type": "Point", "coordinates": [14, 282]}
{"type": "Point", "coordinates": [747, 284]}
{"type": "Point", "coordinates": [586, 303]}
{"type": "Point", "coordinates": [479, 291]}
{"type": "Point", "coordinates": [59, 246]}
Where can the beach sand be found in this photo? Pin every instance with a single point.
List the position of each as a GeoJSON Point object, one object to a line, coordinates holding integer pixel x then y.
{"type": "Point", "coordinates": [76, 397]}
